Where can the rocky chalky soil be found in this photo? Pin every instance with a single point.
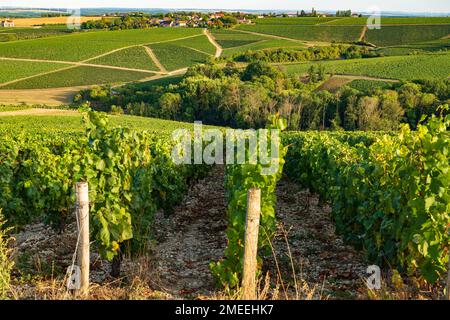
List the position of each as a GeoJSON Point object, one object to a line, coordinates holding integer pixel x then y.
{"type": "Point", "coordinates": [186, 241]}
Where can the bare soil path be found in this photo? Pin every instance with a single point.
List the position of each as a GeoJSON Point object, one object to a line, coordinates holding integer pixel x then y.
{"type": "Point", "coordinates": [363, 33]}
{"type": "Point", "coordinates": [155, 59]}
{"type": "Point", "coordinates": [213, 41]}
{"type": "Point", "coordinates": [321, 259]}
{"type": "Point", "coordinates": [191, 237]}
{"type": "Point", "coordinates": [194, 235]}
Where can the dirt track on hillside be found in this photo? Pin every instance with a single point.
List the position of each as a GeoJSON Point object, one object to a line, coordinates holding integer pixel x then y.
{"type": "Point", "coordinates": [213, 41]}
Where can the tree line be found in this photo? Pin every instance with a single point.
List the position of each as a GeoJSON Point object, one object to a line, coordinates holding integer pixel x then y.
{"type": "Point", "coordinates": [283, 55]}
{"type": "Point", "coordinates": [238, 98]}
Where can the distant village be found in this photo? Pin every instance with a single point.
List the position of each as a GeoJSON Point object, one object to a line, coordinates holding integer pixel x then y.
{"type": "Point", "coordinates": [116, 21]}
{"type": "Point", "coordinates": [138, 20]}
{"type": "Point", "coordinates": [172, 19]}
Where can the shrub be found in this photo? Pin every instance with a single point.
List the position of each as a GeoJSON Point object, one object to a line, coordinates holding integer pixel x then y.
{"type": "Point", "coordinates": [5, 262]}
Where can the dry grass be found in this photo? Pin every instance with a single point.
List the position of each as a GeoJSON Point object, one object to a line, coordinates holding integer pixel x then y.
{"type": "Point", "coordinates": [49, 97]}
{"type": "Point", "coordinates": [135, 284]}
{"type": "Point", "coordinates": [394, 287]}
{"type": "Point", "coordinates": [278, 287]}
{"type": "Point", "coordinates": [30, 22]}
{"type": "Point", "coordinates": [268, 290]}
{"type": "Point", "coordinates": [5, 259]}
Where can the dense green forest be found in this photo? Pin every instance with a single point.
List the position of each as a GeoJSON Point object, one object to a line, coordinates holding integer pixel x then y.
{"type": "Point", "coordinates": [244, 98]}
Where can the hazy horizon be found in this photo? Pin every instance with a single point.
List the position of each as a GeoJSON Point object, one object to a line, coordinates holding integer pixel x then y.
{"type": "Point", "coordinates": [412, 6]}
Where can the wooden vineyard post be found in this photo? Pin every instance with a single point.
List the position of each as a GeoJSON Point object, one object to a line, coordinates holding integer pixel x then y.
{"type": "Point", "coordinates": [251, 244]}
{"type": "Point", "coordinates": [82, 193]}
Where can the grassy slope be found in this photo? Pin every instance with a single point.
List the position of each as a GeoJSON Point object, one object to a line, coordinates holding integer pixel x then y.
{"type": "Point", "coordinates": [78, 76]}
{"type": "Point", "coordinates": [135, 57]}
{"type": "Point", "coordinates": [81, 46]}
{"type": "Point", "coordinates": [11, 70]}
{"type": "Point", "coordinates": [435, 66]}
{"type": "Point", "coordinates": [309, 33]}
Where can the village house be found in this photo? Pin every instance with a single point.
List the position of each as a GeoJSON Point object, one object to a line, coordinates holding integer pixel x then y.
{"type": "Point", "coordinates": [155, 22]}
{"type": "Point", "coordinates": [7, 23]}
{"type": "Point", "coordinates": [244, 21]}
{"type": "Point", "coordinates": [217, 15]}
{"type": "Point", "coordinates": [181, 23]}
{"type": "Point", "coordinates": [166, 23]}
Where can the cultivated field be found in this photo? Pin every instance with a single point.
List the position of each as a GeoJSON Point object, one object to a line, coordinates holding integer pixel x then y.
{"type": "Point", "coordinates": [13, 34]}
{"type": "Point", "coordinates": [262, 45]}
{"type": "Point", "coordinates": [49, 57]}
{"type": "Point", "coordinates": [79, 76]}
{"type": "Point", "coordinates": [83, 46]}
{"type": "Point", "coordinates": [320, 33]}
{"type": "Point", "coordinates": [230, 38]}
{"type": "Point", "coordinates": [422, 47]}
{"type": "Point", "coordinates": [430, 66]}
{"type": "Point", "coordinates": [391, 21]}
{"type": "Point", "coordinates": [398, 35]}
{"type": "Point", "coordinates": [11, 70]}
{"type": "Point", "coordinates": [100, 57]}
{"type": "Point", "coordinates": [394, 31]}
{"type": "Point", "coordinates": [235, 42]}
{"type": "Point", "coordinates": [134, 57]}
{"type": "Point", "coordinates": [296, 21]}
{"type": "Point", "coordinates": [31, 22]}
{"type": "Point", "coordinates": [359, 170]}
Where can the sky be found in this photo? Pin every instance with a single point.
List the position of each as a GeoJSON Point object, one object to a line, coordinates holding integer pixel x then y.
{"type": "Point", "coordinates": [355, 5]}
